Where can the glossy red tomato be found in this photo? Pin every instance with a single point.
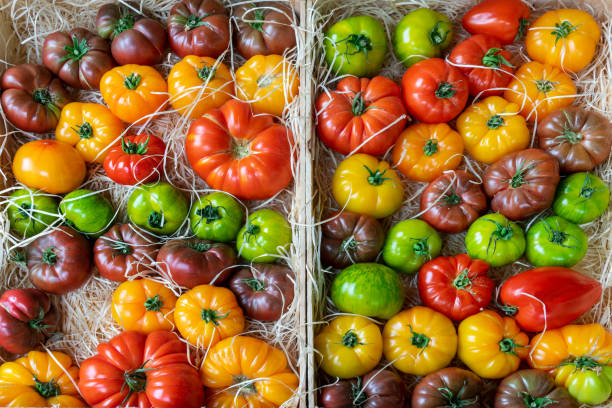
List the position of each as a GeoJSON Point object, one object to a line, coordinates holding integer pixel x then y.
{"type": "Point", "coordinates": [505, 20]}
{"type": "Point", "coordinates": [136, 159]}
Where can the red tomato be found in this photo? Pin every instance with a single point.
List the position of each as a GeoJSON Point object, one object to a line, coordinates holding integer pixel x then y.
{"type": "Point", "coordinates": [505, 20]}
{"type": "Point", "coordinates": [137, 159]}
{"type": "Point", "coordinates": [487, 52]}
{"type": "Point", "coordinates": [457, 286]}
{"type": "Point", "coordinates": [551, 294]}
{"type": "Point", "coordinates": [244, 155]}
{"type": "Point", "coordinates": [434, 91]}
{"type": "Point", "coordinates": [359, 108]}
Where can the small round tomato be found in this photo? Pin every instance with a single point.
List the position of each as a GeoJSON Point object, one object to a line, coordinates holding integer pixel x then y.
{"type": "Point", "coordinates": [30, 213]}
{"type": "Point", "coordinates": [495, 239]}
{"type": "Point", "coordinates": [409, 244]}
{"type": "Point", "coordinates": [365, 185]}
{"type": "Point", "coordinates": [265, 237]}
{"type": "Point", "coordinates": [349, 346]}
{"type": "Point", "coordinates": [87, 211]}
{"type": "Point", "coordinates": [217, 217]}
{"type": "Point", "coordinates": [425, 151]}
{"type": "Point", "coordinates": [554, 241]}
{"type": "Point", "coordinates": [434, 91]}
{"type": "Point", "coordinates": [356, 46]}
{"type": "Point", "coordinates": [581, 198]}
{"type": "Point", "coordinates": [137, 159]}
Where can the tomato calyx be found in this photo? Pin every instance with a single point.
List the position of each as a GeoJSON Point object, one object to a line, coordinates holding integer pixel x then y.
{"type": "Point", "coordinates": [47, 389]}
{"type": "Point", "coordinates": [194, 21]}
{"type": "Point", "coordinates": [121, 247]}
{"type": "Point", "coordinates": [76, 51]}
{"type": "Point", "coordinates": [495, 122]}
{"type": "Point", "coordinates": [518, 179]}
{"type": "Point", "coordinates": [258, 20]}
{"type": "Point", "coordinates": [509, 310]}
{"type": "Point", "coordinates": [522, 28]}
{"type": "Point", "coordinates": [129, 147]}
{"type": "Point", "coordinates": [211, 316]}
{"type": "Point", "coordinates": [445, 90]}
{"type": "Point", "coordinates": [494, 59]}
{"type": "Point", "coordinates": [44, 97]}
{"type": "Point", "coordinates": [135, 380]}
{"type": "Point", "coordinates": [420, 247]}
{"type": "Point", "coordinates": [349, 244]}
{"type": "Point", "coordinates": [358, 397]}
{"type": "Point", "coordinates": [125, 22]}
{"type": "Point", "coordinates": [350, 339]}
{"type": "Point", "coordinates": [132, 81]}
{"type": "Point", "coordinates": [504, 232]}
{"type": "Point", "coordinates": [200, 246]}
{"type": "Point", "coordinates": [544, 85]}
{"type": "Point", "coordinates": [250, 231]}
{"type": "Point", "coordinates": [584, 363]}
{"type": "Point", "coordinates": [153, 304]}
{"type": "Point", "coordinates": [463, 281]}
{"type": "Point", "coordinates": [418, 340]}
{"type": "Point", "coordinates": [37, 322]}
{"type": "Point", "coordinates": [84, 130]}
{"type": "Point", "coordinates": [556, 236]}
{"type": "Point", "coordinates": [451, 199]}
{"type": "Point", "coordinates": [563, 30]}
{"type": "Point", "coordinates": [358, 105]}
{"type": "Point", "coordinates": [49, 257]}
{"type": "Point", "coordinates": [255, 284]}
{"type": "Point", "coordinates": [210, 213]}
{"type": "Point", "coordinates": [587, 190]}
{"type": "Point", "coordinates": [18, 256]}
{"type": "Point", "coordinates": [436, 35]}
{"type": "Point", "coordinates": [376, 178]}
{"type": "Point", "coordinates": [509, 346]}
{"type": "Point", "coordinates": [25, 211]}
{"type": "Point", "coordinates": [453, 400]}
{"type": "Point", "coordinates": [532, 401]}
{"type": "Point", "coordinates": [245, 389]}
{"type": "Point", "coordinates": [206, 73]}
{"type": "Point", "coordinates": [431, 147]}
{"type": "Point", "coordinates": [360, 42]}
{"type": "Point", "coordinates": [240, 149]}
{"type": "Point", "coordinates": [156, 219]}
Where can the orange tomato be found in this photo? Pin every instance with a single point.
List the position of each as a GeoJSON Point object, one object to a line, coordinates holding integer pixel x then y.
{"type": "Point", "coordinates": [133, 91]}
{"type": "Point", "coordinates": [424, 151]}
{"type": "Point", "coordinates": [199, 84]}
{"type": "Point", "coordinates": [49, 165]}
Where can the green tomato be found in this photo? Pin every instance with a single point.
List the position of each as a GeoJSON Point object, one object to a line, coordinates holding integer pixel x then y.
{"type": "Point", "coordinates": [554, 241]}
{"type": "Point", "coordinates": [87, 211]}
{"type": "Point", "coordinates": [589, 387]}
{"type": "Point", "coordinates": [368, 289]}
{"type": "Point", "coordinates": [264, 237]}
{"type": "Point", "coordinates": [158, 207]}
{"type": "Point", "coordinates": [422, 33]}
{"type": "Point", "coordinates": [30, 213]}
{"type": "Point", "coordinates": [216, 217]}
{"type": "Point", "coordinates": [581, 198]}
{"type": "Point", "coordinates": [356, 46]}
{"type": "Point", "coordinates": [495, 239]}
{"type": "Point", "coordinates": [409, 244]}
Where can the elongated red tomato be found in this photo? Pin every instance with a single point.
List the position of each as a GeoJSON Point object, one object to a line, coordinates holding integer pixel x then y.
{"type": "Point", "coordinates": [244, 155]}
{"type": "Point", "coordinates": [505, 20]}
{"type": "Point", "coordinates": [548, 297]}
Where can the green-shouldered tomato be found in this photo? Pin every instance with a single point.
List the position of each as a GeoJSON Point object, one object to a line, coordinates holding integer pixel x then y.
{"type": "Point", "coordinates": [495, 239]}
{"type": "Point", "coordinates": [409, 244]}
{"type": "Point", "coordinates": [554, 241]}
{"type": "Point", "coordinates": [216, 217]}
{"type": "Point", "coordinates": [87, 211]}
{"type": "Point", "coordinates": [158, 207]}
{"type": "Point", "coordinates": [265, 236]}
{"type": "Point", "coordinates": [581, 198]}
{"type": "Point", "coordinates": [31, 212]}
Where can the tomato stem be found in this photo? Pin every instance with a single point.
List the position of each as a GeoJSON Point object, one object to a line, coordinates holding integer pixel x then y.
{"type": "Point", "coordinates": [360, 42]}
{"type": "Point", "coordinates": [240, 149]}
{"type": "Point", "coordinates": [255, 284]}
{"type": "Point", "coordinates": [587, 190]}
{"type": "Point", "coordinates": [494, 59]}
{"type": "Point", "coordinates": [25, 210]}
{"type": "Point", "coordinates": [509, 310]}
{"type": "Point", "coordinates": [153, 304]}
{"type": "Point", "coordinates": [251, 230]}
{"type": "Point", "coordinates": [545, 86]}
{"type": "Point", "coordinates": [563, 30]}
{"type": "Point", "coordinates": [349, 244]}
{"type": "Point", "coordinates": [129, 147]}
{"type": "Point", "coordinates": [206, 73]}
{"type": "Point", "coordinates": [584, 362]}
{"type": "Point", "coordinates": [258, 18]}
{"type": "Point", "coordinates": [504, 232]}
{"type": "Point", "coordinates": [136, 380]}
{"type": "Point", "coordinates": [431, 147]}
{"type": "Point", "coordinates": [200, 246]}
{"type": "Point", "coordinates": [376, 178]}
{"type": "Point", "coordinates": [358, 105]}
{"type": "Point", "coordinates": [49, 257]}
{"type": "Point", "coordinates": [453, 399]}
{"type": "Point", "coordinates": [509, 346]}
{"type": "Point", "coordinates": [156, 219]}
{"type": "Point", "coordinates": [44, 97]}
{"type": "Point", "coordinates": [37, 322]}
{"type": "Point", "coordinates": [194, 21]}
{"type": "Point", "coordinates": [451, 199]}
{"type": "Point", "coordinates": [247, 389]}
{"type": "Point", "coordinates": [436, 35]}
{"type": "Point", "coordinates": [418, 340]}
{"type": "Point", "coordinates": [47, 389]}
{"type": "Point", "coordinates": [18, 256]}
{"type": "Point", "coordinates": [445, 90]}
{"type": "Point", "coordinates": [556, 236]}
{"type": "Point", "coordinates": [518, 179]}
{"type": "Point", "coordinates": [531, 401]}
{"type": "Point", "coordinates": [76, 51]}
{"type": "Point", "coordinates": [84, 130]}
{"type": "Point", "coordinates": [420, 247]}
{"type": "Point", "coordinates": [211, 316]}
{"type": "Point", "coordinates": [121, 247]}
{"type": "Point", "coordinates": [350, 339]}
{"type": "Point", "coordinates": [209, 212]}
{"type": "Point", "coordinates": [463, 281]}
{"type": "Point", "coordinates": [358, 397]}
{"type": "Point", "coordinates": [125, 22]}
{"type": "Point", "coordinates": [132, 81]}
{"type": "Point", "coordinates": [495, 122]}
{"type": "Point", "coordinates": [522, 28]}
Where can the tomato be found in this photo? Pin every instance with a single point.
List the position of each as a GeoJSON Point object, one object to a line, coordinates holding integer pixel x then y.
{"type": "Point", "coordinates": [554, 241]}
{"type": "Point", "coordinates": [140, 370]}
{"type": "Point", "coordinates": [565, 38]}
{"type": "Point", "coordinates": [89, 212]}
{"type": "Point", "coordinates": [505, 20]}
{"type": "Point", "coordinates": [143, 305]}
{"type": "Point", "coordinates": [361, 116]}
{"type": "Point", "coordinates": [409, 244]}
{"type": "Point", "coordinates": [368, 289]}
{"type": "Point", "coordinates": [90, 127]}
{"type": "Point", "coordinates": [264, 30]}
{"type": "Point", "coordinates": [540, 89]}
{"type": "Point", "coordinates": [231, 362]}
{"type": "Point", "coordinates": [379, 388]}
{"type": "Point", "coordinates": [487, 52]}
{"type": "Point", "coordinates": [355, 46]}
{"type": "Point", "coordinates": [32, 98]}
{"type": "Point", "coordinates": [78, 57]}
{"type": "Point", "coordinates": [522, 184]}
{"type": "Point", "coordinates": [27, 319]}
{"type": "Point", "coordinates": [134, 92]}
{"type": "Point", "coordinates": [137, 159]}
{"type": "Point", "coordinates": [456, 286]}
{"type": "Point", "coordinates": [490, 345]}
{"type": "Point", "coordinates": [581, 198]}
{"type": "Point", "coordinates": [493, 128]}
{"type": "Point", "coordinates": [453, 201]}
{"type": "Point", "coordinates": [265, 237]}
{"type": "Point", "coordinates": [198, 27]}
{"type": "Point", "coordinates": [199, 84]}
{"type": "Point", "coordinates": [60, 261]}
{"type": "Point", "coordinates": [447, 387]}
{"type": "Point", "coordinates": [349, 238]}
{"type": "Point", "coordinates": [246, 155]}
{"type": "Point", "coordinates": [30, 212]}
{"type": "Point", "coordinates": [123, 252]}
{"type": "Point", "coordinates": [434, 91]}
{"type": "Point", "coordinates": [364, 185]}
{"type": "Point", "coordinates": [578, 357]}
{"type": "Point", "coordinates": [495, 239]}
{"type": "Point", "coordinates": [40, 380]}
{"type": "Point", "coordinates": [135, 39]}
{"type": "Point", "coordinates": [216, 216]}
{"type": "Point", "coordinates": [537, 306]}
{"type": "Point", "coordinates": [532, 388]}
{"type": "Point", "coordinates": [158, 207]}
{"type": "Point", "coordinates": [264, 291]}
{"type": "Point", "coordinates": [207, 314]}
{"type": "Point", "coordinates": [193, 262]}
{"type": "Point", "coordinates": [429, 344]}
{"type": "Point", "coordinates": [579, 139]}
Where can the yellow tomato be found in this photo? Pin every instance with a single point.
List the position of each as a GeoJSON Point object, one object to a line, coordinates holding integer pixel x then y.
{"type": "Point", "coordinates": [268, 82]}
{"type": "Point", "coordinates": [199, 84]}
{"type": "Point", "coordinates": [364, 185]}
{"type": "Point", "coordinates": [90, 127]}
{"type": "Point", "coordinates": [493, 128]}
{"type": "Point", "coordinates": [143, 305]}
{"type": "Point", "coordinates": [349, 346]}
{"type": "Point", "coordinates": [419, 341]}
{"type": "Point", "coordinates": [540, 89]}
{"type": "Point", "coordinates": [133, 91]}
{"type": "Point", "coordinates": [565, 38]}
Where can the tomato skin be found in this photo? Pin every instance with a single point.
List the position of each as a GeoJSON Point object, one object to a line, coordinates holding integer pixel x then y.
{"type": "Point", "coordinates": [379, 388]}
{"type": "Point", "coordinates": [456, 286]}
{"type": "Point", "coordinates": [581, 198]}
{"type": "Point", "coordinates": [554, 241]}
{"type": "Point", "coordinates": [87, 211]}
{"type": "Point", "coordinates": [505, 20]}
{"type": "Point", "coordinates": [136, 159]}
{"type": "Point", "coordinates": [409, 244]}
{"type": "Point", "coordinates": [359, 108]}
{"type": "Point", "coordinates": [530, 385]}
{"type": "Point", "coordinates": [30, 213]}
{"type": "Point", "coordinates": [434, 91]}
{"type": "Point", "coordinates": [464, 386]}
{"type": "Point", "coordinates": [217, 217]}
{"type": "Point", "coordinates": [572, 295]}
{"type": "Point", "coordinates": [265, 236]}
{"type": "Point", "coordinates": [158, 207]}
{"type": "Point", "coordinates": [495, 239]}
